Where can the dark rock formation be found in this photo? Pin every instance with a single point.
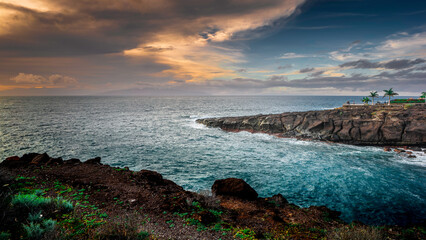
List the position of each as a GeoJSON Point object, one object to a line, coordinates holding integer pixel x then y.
{"type": "Point", "coordinates": [234, 187]}
{"type": "Point", "coordinates": [360, 125]}
{"type": "Point", "coordinates": [96, 160]}
{"type": "Point", "coordinates": [40, 159]}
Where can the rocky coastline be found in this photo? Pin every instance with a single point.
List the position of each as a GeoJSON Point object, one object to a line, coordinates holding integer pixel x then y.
{"type": "Point", "coordinates": [117, 203]}
{"type": "Point", "coordinates": [378, 125]}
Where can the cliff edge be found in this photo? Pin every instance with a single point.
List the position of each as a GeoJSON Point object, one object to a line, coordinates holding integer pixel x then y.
{"type": "Point", "coordinates": [395, 125]}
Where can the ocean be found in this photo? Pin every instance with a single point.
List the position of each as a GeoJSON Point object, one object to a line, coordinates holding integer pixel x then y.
{"type": "Point", "coordinates": [160, 134]}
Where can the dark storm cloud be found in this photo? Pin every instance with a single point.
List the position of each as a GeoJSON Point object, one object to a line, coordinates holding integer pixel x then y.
{"type": "Point", "coordinates": [394, 64]}
{"type": "Point", "coordinates": [107, 26]}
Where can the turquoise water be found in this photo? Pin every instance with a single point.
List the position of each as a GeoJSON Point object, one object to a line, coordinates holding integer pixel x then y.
{"type": "Point", "coordinates": [364, 183]}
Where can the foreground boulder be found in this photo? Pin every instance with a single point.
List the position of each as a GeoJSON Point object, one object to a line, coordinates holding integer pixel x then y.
{"type": "Point", "coordinates": [234, 187]}
{"type": "Point", "coordinates": [360, 125]}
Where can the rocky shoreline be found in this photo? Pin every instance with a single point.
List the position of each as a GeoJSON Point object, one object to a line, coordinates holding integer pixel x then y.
{"type": "Point", "coordinates": [116, 198]}
{"type": "Point", "coordinates": [358, 125]}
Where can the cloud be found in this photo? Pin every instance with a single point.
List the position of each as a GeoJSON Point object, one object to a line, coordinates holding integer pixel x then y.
{"type": "Point", "coordinates": [306, 70]}
{"type": "Point", "coordinates": [393, 64]}
{"type": "Point", "coordinates": [293, 55]}
{"type": "Point", "coordinates": [23, 78]}
{"type": "Point", "coordinates": [401, 45]}
{"type": "Point", "coordinates": [40, 81]}
{"type": "Point", "coordinates": [287, 66]}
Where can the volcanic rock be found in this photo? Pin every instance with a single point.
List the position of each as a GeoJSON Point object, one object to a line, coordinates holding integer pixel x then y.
{"type": "Point", "coordinates": [360, 125]}
{"type": "Point", "coordinates": [40, 159]}
{"type": "Point", "coordinates": [234, 187]}
{"type": "Point", "coordinates": [96, 160]}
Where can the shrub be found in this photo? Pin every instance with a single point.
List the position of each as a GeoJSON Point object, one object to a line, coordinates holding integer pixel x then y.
{"type": "Point", "coordinates": [356, 233]}
{"type": "Point", "coordinates": [143, 235]}
{"type": "Point", "coordinates": [35, 216]}
{"type": "Point", "coordinates": [31, 202]}
{"type": "Point", "coordinates": [34, 231]}
{"type": "Point", "coordinates": [4, 236]}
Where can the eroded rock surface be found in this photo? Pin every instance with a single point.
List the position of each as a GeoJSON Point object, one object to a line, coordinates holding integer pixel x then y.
{"type": "Point", "coordinates": [360, 125]}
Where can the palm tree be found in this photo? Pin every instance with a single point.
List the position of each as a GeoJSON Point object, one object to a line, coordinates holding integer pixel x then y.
{"type": "Point", "coordinates": [423, 95]}
{"type": "Point", "coordinates": [373, 95]}
{"type": "Point", "coordinates": [389, 93]}
{"type": "Point", "coordinates": [366, 100]}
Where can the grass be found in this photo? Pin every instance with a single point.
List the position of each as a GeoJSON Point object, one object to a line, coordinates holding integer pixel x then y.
{"type": "Point", "coordinates": [356, 233]}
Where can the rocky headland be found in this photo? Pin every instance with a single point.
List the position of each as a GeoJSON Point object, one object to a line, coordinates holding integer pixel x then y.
{"type": "Point", "coordinates": [49, 198]}
{"type": "Point", "coordinates": [379, 125]}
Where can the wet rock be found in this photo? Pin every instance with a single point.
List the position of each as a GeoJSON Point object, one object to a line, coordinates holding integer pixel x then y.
{"type": "Point", "coordinates": [412, 156]}
{"type": "Point", "coordinates": [409, 152]}
{"type": "Point", "coordinates": [96, 160]}
{"type": "Point", "coordinates": [387, 149]}
{"type": "Point", "coordinates": [419, 149]}
{"type": "Point", "coordinates": [234, 187]}
{"type": "Point", "coordinates": [40, 159]}
{"type": "Point", "coordinates": [398, 150]}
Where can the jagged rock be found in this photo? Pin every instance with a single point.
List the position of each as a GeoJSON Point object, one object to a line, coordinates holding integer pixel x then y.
{"type": "Point", "coordinates": [412, 156]}
{"type": "Point", "coordinates": [234, 187]}
{"type": "Point", "coordinates": [150, 176]}
{"type": "Point", "coordinates": [361, 125]}
{"type": "Point", "coordinates": [387, 149]}
{"type": "Point", "coordinates": [55, 161]}
{"type": "Point", "coordinates": [29, 157]}
{"type": "Point", "coordinates": [40, 159]}
{"type": "Point", "coordinates": [205, 217]}
{"type": "Point", "coordinates": [96, 160]}
{"type": "Point", "coordinates": [419, 149]}
{"type": "Point", "coordinates": [11, 162]}
{"type": "Point", "coordinates": [278, 199]}
{"type": "Point", "coordinates": [72, 161]}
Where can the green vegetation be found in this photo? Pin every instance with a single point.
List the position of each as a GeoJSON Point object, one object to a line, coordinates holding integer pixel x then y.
{"type": "Point", "coordinates": [373, 95]}
{"type": "Point", "coordinates": [423, 95]}
{"type": "Point", "coordinates": [366, 100]}
{"type": "Point", "coordinates": [410, 100]}
{"type": "Point", "coordinates": [389, 93]}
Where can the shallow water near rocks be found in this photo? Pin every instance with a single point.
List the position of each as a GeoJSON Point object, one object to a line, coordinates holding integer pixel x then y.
{"type": "Point", "coordinates": [160, 133]}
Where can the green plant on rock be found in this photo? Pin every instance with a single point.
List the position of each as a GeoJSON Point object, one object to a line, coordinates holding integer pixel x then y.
{"type": "Point", "coordinates": [245, 233]}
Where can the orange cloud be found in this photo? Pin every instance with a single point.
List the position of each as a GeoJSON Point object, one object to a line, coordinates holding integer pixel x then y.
{"type": "Point", "coordinates": [53, 81]}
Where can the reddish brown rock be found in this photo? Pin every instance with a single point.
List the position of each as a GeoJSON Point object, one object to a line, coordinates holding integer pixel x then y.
{"type": "Point", "coordinates": [96, 160]}
{"type": "Point", "coordinates": [360, 125]}
{"type": "Point", "coordinates": [234, 187]}
{"type": "Point", "coordinates": [387, 149]}
{"type": "Point", "coordinates": [40, 159]}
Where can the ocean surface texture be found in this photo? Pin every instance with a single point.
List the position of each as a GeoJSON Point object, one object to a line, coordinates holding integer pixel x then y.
{"type": "Point", "coordinates": [160, 134]}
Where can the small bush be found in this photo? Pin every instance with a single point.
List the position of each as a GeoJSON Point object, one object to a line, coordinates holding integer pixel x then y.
{"type": "Point", "coordinates": [35, 217]}
{"type": "Point", "coordinates": [34, 231]}
{"type": "Point", "coordinates": [143, 235]}
{"type": "Point", "coordinates": [31, 201]}
{"type": "Point", "coordinates": [356, 233]}
{"type": "Point", "coordinates": [4, 236]}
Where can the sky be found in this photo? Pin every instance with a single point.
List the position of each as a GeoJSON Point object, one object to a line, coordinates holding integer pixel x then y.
{"type": "Point", "coordinates": [212, 47]}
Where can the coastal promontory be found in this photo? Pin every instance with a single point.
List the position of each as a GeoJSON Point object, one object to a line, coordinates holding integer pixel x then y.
{"type": "Point", "coordinates": [395, 125]}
